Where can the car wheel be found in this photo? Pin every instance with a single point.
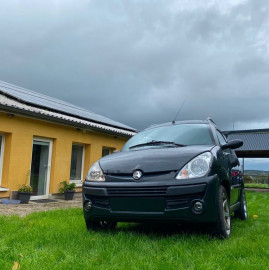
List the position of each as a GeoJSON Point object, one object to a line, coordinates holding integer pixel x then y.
{"type": "Point", "coordinates": [92, 225]}
{"type": "Point", "coordinates": [242, 211]}
{"type": "Point", "coordinates": [223, 224]}
{"type": "Point", "coordinates": [97, 225]}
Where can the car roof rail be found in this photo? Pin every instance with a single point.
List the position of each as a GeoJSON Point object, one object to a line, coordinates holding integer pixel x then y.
{"type": "Point", "coordinates": [210, 119]}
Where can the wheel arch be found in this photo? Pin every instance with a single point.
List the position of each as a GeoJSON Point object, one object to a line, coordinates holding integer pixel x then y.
{"type": "Point", "coordinates": [226, 185]}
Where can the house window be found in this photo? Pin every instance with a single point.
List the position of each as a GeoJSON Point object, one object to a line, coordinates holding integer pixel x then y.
{"type": "Point", "coordinates": [1, 155]}
{"type": "Point", "coordinates": [106, 151]}
{"type": "Point", "coordinates": [77, 162]}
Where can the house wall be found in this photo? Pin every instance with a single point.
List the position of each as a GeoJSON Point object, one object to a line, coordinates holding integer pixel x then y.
{"type": "Point", "coordinates": [19, 133]}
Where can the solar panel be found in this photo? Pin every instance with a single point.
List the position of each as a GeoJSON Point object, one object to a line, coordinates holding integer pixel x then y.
{"type": "Point", "coordinates": [44, 101]}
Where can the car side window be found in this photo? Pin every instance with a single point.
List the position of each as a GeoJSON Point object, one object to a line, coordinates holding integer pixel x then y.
{"type": "Point", "coordinates": [222, 140]}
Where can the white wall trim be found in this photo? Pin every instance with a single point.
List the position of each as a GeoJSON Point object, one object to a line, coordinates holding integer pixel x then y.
{"type": "Point", "coordinates": [50, 141]}
{"type": "Point", "coordinates": [79, 181]}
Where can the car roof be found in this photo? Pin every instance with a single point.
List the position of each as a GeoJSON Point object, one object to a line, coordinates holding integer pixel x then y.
{"type": "Point", "coordinates": [205, 122]}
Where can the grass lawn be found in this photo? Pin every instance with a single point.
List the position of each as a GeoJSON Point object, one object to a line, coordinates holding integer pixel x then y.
{"type": "Point", "coordinates": [59, 240]}
{"type": "Point", "coordinates": [254, 185]}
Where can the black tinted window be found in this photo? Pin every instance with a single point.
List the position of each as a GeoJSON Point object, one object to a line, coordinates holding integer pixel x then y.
{"type": "Point", "coordinates": [186, 134]}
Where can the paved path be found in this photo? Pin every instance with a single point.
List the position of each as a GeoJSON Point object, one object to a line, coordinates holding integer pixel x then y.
{"type": "Point", "coordinates": [25, 209]}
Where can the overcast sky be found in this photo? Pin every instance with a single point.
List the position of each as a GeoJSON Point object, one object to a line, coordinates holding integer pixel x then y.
{"type": "Point", "coordinates": [256, 164]}
{"type": "Point", "coordinates": [137, 61]}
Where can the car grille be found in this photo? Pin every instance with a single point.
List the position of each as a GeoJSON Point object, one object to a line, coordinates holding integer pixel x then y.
{"type": "Point", "coordinates": [171, 202]}
{"type": "Point", "coordinates": [137, 192]}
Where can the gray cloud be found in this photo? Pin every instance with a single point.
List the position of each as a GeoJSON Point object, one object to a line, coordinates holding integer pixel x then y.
{"type": "Point", "coordinates": [137, 61]}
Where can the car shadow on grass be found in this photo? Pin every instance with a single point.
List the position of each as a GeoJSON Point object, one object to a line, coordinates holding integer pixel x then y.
{"type": "Point", "coordinates": [165, 229]}
{"type": "Point", "coordinates": [160, 229]}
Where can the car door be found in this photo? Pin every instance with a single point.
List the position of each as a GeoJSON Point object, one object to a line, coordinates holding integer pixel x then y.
{"type": "Point", "coordinates": [231, 163]}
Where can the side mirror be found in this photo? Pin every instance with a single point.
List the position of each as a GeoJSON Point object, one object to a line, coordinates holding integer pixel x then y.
{"type": "Point", "coordinates": [232, 144]}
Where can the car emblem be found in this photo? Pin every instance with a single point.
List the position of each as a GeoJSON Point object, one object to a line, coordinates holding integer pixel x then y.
{"type": "Point", "coordinates": [137, 175]}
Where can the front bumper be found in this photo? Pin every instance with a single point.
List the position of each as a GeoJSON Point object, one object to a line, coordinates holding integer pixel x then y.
{"type": "Point", "coordinates": [162, 201]}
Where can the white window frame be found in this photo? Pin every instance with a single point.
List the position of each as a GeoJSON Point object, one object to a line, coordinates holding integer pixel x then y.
{"type": "Point", "coordinates": [78, 182]}
{"type": "Point", "coordinates": [50, 141]}
{"type": "Point", "coordinates": [2, 156]}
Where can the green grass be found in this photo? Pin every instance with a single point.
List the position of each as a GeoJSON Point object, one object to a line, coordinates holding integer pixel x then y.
{"type": "Point", "coordinates": [59, 240]}
{"type": "Point", "coordinates": [254, 185]}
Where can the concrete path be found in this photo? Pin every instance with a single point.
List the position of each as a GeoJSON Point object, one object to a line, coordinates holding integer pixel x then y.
{"type": "Point", "coordinates": [25, 209]}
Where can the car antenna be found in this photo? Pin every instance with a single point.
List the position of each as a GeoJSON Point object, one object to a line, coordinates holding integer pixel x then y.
{"type": "Point", "coordinates": [173, 122]}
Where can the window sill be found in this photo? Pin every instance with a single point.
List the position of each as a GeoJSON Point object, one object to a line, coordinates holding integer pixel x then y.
{"type": "Point", "coordinates": [3, 189]}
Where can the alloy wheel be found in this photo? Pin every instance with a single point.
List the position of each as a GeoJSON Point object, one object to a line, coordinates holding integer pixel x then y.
{"type": "Point", "coordinates": [226, 213]}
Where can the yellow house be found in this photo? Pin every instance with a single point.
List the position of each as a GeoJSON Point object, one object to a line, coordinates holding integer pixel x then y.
{"type": "Point", "coordinates": [44, 141]}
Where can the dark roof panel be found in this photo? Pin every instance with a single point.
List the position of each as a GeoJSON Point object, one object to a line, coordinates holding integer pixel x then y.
{"type": "Point", "coordinates": [34, 98]}
{"type": "Point", "coordinates": [256, 141]}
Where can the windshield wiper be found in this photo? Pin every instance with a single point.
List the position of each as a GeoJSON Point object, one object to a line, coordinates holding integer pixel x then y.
{"type": "Point", "coordinates": [156, 143]}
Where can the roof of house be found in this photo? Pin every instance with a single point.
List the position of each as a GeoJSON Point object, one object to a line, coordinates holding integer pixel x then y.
{"type": "Point", "coordinates": [19, 99]}
{"type": "Point", "coordinates": [254, 140]}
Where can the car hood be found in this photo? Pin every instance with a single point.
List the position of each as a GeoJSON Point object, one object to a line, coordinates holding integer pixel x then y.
{"type": "Point", "coordinates": [150, 160]}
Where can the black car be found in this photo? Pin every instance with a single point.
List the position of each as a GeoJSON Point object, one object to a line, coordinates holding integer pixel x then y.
{"type": "Point", "coordinates": [173, 172]}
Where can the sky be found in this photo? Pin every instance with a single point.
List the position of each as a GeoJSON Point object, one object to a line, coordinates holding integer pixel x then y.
{"type": "Point", "coordinates": [136, 61]}
{"type": "Point", "coordinates": [255, 164]}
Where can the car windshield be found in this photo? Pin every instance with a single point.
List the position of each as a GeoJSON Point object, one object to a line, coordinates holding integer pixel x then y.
{"type": "Point", "coordinates": [171, 136]}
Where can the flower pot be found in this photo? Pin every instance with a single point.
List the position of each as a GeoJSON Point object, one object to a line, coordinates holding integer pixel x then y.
{"type": "Point", "coordinates": [24, 197]}
{"type": "Point", "coordinates": [69, 194]}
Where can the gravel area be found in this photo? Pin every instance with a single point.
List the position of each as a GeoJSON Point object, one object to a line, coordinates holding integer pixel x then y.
{"type": "Point", "coordinates": [25, 209]}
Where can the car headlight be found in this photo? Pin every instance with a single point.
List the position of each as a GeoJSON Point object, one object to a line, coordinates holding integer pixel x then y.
{"type": "Point", "coordinates": [95, 173]}
{"type": "Point", "coordinates": [197, 167]}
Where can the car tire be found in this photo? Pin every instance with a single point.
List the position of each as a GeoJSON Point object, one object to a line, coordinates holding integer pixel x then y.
{"type": "Point", "coordinates": [92, 225]}
{"type": "Point", "coordinates": [98, 225]}
{"type": "Point", "coordinates": [242, 211]}
{"type": "Point", "coordinates": [223, 224]}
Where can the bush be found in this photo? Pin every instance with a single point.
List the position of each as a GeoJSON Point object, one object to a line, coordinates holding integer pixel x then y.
{"type": "Point", "coordinates": [25, 188]}
{"type": "Point", "coordinates": [66, 186]}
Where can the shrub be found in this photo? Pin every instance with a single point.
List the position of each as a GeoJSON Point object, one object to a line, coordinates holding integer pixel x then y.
{"type": "Point", "coordinates": [66, 186]}
{"type": "Point", "coordinates": [25, 188]}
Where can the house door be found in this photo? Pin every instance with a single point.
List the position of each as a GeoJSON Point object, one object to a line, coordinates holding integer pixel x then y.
{"type": "Point", "coordinates": [40, 168]}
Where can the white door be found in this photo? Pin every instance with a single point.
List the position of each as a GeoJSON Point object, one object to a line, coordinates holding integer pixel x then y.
{"type": "Point", "coordinates": [40, 168]}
